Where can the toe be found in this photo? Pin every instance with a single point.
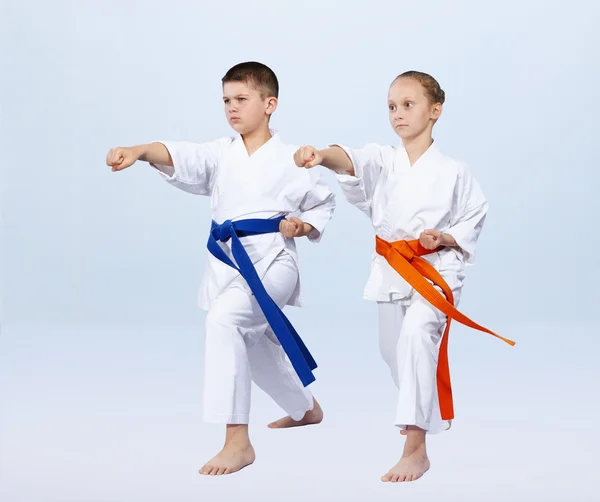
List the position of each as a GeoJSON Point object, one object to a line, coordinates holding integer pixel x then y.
{"type": "Point", "coordinates": [220, 471]}
{"type": "Point", "coordinates": [276, 424]}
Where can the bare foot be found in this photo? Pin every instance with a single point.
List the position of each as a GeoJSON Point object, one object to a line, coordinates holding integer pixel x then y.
{"type": "Point", "coordinates": [314, 416]}
{"type": "Point", "coordinates": [235, 455]}
{"type": "Point", "coordinates": [414, 462]}
{"type": "Point", "coordinates": [410, 468]}
{"type": "Point", "coordinates": [232, 458]}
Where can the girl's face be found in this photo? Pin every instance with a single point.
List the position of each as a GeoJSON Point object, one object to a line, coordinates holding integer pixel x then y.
{"type": "Point", "coordinates": [411, 111]}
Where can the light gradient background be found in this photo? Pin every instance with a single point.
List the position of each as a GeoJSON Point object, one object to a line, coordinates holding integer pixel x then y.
{"type": "Point", "coordinates": [101, 343]}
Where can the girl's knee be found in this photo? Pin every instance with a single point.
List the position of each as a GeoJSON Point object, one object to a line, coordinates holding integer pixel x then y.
{"type": "Point", "coordinates": [422, 315]}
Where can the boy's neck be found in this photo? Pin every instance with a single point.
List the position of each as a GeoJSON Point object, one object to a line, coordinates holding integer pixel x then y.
{"type": "Point", "coordinates": [255, 139]}
{"type": "Point", "coordinates": [415, 147]}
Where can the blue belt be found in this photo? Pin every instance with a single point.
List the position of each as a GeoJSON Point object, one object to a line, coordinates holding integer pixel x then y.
{"type": "Point", "coordinates": [292, 344]}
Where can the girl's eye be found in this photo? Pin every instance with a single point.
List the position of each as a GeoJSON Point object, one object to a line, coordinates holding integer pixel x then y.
{"type": "Point", "coordinates": [392, 107]}
{"type": "Point", "coordinates": [408, 105]}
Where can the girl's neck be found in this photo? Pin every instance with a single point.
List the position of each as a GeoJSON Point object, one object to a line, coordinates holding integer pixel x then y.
{"type": "Point", "coordinates": [415, 147]}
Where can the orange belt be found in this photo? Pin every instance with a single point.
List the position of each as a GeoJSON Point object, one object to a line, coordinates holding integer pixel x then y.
{"type": "Point", "coordinates": [405, 258]}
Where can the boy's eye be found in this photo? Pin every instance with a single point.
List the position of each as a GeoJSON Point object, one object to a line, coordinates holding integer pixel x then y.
{"type": "Point", "coordinates": [226, 101]}
{"type": "Point", "coordinates": [242, 99]}
{"type": "Point", "coordinates": [392, 107]}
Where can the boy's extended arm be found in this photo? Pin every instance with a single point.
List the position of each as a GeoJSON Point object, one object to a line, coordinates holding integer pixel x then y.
{"type": "Point", "coordinates": [122, 157]}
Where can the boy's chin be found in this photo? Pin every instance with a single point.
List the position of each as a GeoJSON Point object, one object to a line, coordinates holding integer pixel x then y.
{"type": "Point", "coordinates": [239, 128]}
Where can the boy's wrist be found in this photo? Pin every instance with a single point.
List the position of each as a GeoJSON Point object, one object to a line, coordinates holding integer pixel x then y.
{"type": "Point", "coordinates": [323, 156]}
{"type": "Point", "coordinates": [141, 152]}
{"type": "Point", "coordinates": [307, 228]}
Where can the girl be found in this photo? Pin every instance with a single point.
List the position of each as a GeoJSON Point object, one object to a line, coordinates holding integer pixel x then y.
{"type": "Point", "coordinates": [421, 203]}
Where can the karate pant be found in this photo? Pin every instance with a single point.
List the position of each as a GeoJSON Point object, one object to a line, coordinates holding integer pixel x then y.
{"type": "Point", "coordinates": [409, 338]}
{"type": "Point", "coordinates": [241, 348]}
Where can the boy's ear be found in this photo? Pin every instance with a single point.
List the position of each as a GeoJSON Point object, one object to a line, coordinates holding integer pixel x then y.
{"type": "Point", "coordinates": [271, 105]}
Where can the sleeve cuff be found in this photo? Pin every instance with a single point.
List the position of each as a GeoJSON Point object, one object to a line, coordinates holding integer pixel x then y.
{"type": "Point", "coordinates": [318, 224]}
{"type": "Point", "coordinates": [343, 176]}
{"type": "Point", "coordinates": [467, 246]}
{"type": "Point", "coordinates": [167, 172]}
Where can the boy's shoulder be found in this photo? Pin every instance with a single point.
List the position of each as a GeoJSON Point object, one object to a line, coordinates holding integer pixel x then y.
{"type": "Point", "coordinates": [224, 140]}
{"type": "Point", "coordinates": [217, 144]}
{"type": "Point", "coordinates": [284, 144]}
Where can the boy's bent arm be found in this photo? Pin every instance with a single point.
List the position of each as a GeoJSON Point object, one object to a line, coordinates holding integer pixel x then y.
{"type": "Point", "coordinates": [317, 207]}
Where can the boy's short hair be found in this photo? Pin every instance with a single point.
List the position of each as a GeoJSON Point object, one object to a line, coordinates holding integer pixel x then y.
{"type": "Point", "coordinates": [258, 75]}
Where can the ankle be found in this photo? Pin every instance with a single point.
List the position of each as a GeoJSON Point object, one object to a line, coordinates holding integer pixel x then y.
{"type": "Point", "coordinates": [414, 447]}
{"type": "Point", "coordinates": [415, 443]}
{"type": "Point", "coordinates": [237, 434]}
{"type": "Point", "coordinates": [238, 444]}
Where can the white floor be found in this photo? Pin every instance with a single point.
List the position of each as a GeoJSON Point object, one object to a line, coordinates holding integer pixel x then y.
{"type": "Point", "coordinates": [113, 415]}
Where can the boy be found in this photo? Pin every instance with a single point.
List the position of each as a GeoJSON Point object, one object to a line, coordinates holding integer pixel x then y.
{"type": "Point", "coordinates": [252, 269]}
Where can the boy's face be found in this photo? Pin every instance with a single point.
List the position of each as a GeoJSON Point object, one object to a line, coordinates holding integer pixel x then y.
{"type": "Point", "coordinates": [411, 112]}
{"type": "Point", "coordinates": [246, 110]}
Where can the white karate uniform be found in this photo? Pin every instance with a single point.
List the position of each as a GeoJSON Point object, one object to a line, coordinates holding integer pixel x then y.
{"type": "Point", "coordinates": [402, 201]}
{"type": "Point", "coordinates": [240, 346]}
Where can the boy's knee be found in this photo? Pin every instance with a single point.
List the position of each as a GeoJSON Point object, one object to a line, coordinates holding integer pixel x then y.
{"type": "Point", "coordinates": [227, 311]}
{"type": "Point", "coordinates": [215, 321]}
